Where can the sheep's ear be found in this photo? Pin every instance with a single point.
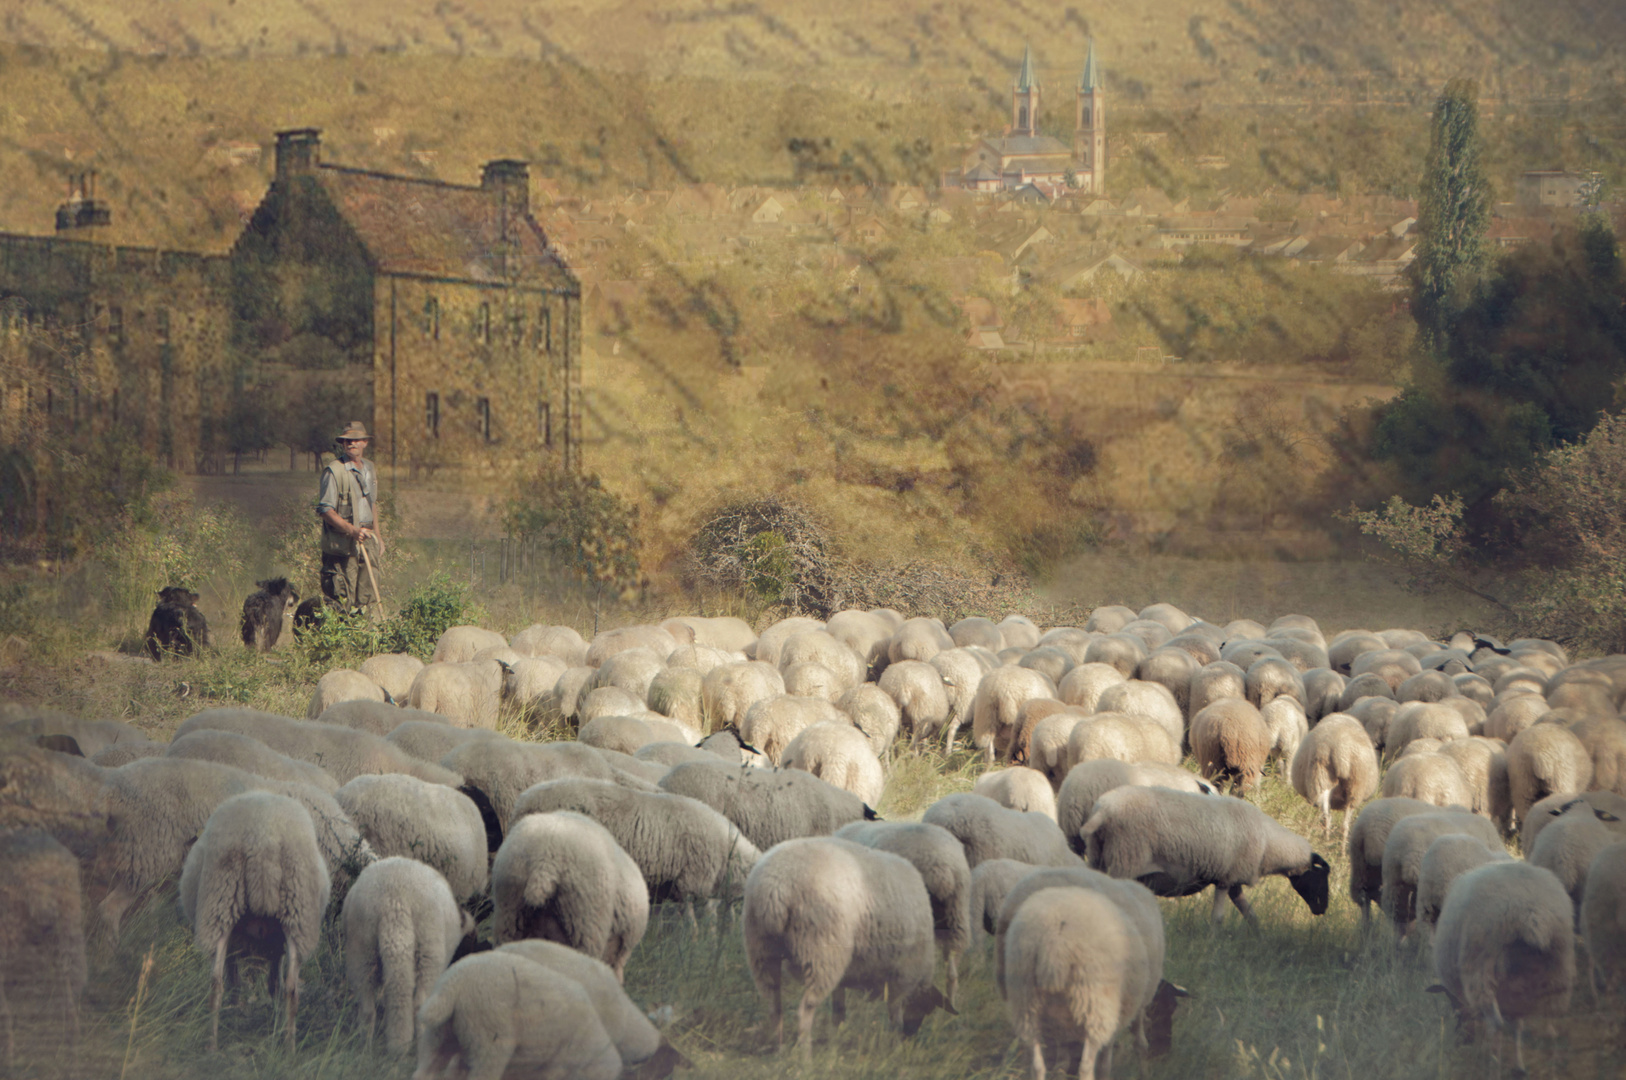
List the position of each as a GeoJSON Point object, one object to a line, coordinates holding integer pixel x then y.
{"type": "Point", "coordinates": [1180, 991]}
{"type": "Point", "coordinates": [62, 744]}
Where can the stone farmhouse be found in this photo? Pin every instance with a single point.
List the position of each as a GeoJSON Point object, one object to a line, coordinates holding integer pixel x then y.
{"type": "Point", "coordinates": [436, 313]}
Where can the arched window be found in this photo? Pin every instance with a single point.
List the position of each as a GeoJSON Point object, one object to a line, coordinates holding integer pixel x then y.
{"type": "Point", "coordinates": [431, 415]}
{"type": "Point", "coordinates": [482, 413]}
{"type": "Point", "coordinates": [544, 422]}
{"type": "Point", "coordinates": [482, 326]}
{"type": "Point", "coordinates": [1022, 117]}
{"type": "Point", "coordinates": [431, 318]}
{"type": "Point", "coordinates": [544, 331]}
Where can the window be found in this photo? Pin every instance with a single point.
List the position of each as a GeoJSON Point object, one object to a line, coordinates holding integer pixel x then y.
{"type": "Point", "coordinates": [431, 415]}
{"type": "Point", "coordinates": [115, 325]}
{"type": "Point", "coordinates": [545, 329]}
{"type": "Point", "coordinates": [161, 326]}
{"type": "Point", "coordinates": [516, 327]}
{"type": "Point", "coordinates": [482, 414]}
{"type": "Point", "coordinates": [544, 422]}
{"type": "Point", "coordinates": [482, 325]}
{"type": "Point", "coordinates": [431, 318]}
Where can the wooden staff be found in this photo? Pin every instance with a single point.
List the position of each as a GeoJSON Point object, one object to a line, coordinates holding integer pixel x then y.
{"type": "Point", "coordinates": [371, 580]}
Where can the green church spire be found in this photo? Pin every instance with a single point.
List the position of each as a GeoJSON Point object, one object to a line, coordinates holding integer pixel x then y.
{"type": "Point", "coordinates": [1091, 79]}
{"type": "Point", "coordinates": [1025, 79]}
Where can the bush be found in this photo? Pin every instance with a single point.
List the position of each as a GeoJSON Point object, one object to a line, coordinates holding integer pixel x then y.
{"type": "Point", "coordinates": [770, 550]}
{"type": "Point", "coordinates": [177, 542]}
{"type": "Point", "coordinates": [430, 610]}
{"type": "Point", "coordinates": [582, 530]}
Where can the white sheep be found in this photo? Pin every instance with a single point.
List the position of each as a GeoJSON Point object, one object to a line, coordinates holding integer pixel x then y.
{"type": "Point", "coordinates": [1048, 744]}
{"type": "Point", "coordinates": [1448, 858]}
{"type": "Point", "coordinates": [42, 940]}
{"type": "Point", "coordinates": [607, 643]}
{"type": "Point", "coordinates": [1231, 743]}
{"type": "Point", "coordinates": [819, 647]}
{"type": "Point", "coordinates": [921, 696]}
{"type": "Point", "coordinates": [685, 850]}
{"type": "Point", "coordinates": [991, 882]}
{"type": "Point", "coordinates": [700, 658]}
{"type": "Point", "coordinates": [562, 877]}
{"type": "Point", "coordinates": [991, 831]}
{"type": "Point", "coordinates": [728, 691]}
{"type": "Point", "coordinates": [1335, 768]}
{"type": "Point", "coordinates": [1215, 682]}
{"type": "Point", "coordinates": [978, 630]}
{"type": "Point", "coordinates": [344, 752]}
{"type": "Point", "coordinates": [1084, 684]}
{"type": "Point", "coordinates": [623, 733]}
{"type": "Point", "coordinates": [342, 684]}
{"type": "Point", "coordinates": [723, 632]}
{"type": "Point", "coordinates": [377, 717]}
{"type": "Point", "coordinates": [1120, 737]}
{"type": "Point", "coordinates": [1403, 852]}
{"type": "Point", "coordinates": [644, 1051]}
{"type": "Point", "coordinates": [401, 815]}
{"type": "Point", "coordinates": [1089, 780]}
{"type": "Point", "coordinates": [1421, 720]}
{"type": "Point", "coordinates": [1603, 916]}
{"type": "Point", "coordinates": [918, 639]}
{"type": "Point", "coordinates": [842, 915]}
{"type": "Point", "coordinates": [771, 724]}
{"type": "Point", "coordinates": [606, 701]}
{"type": "Point", "coordinates": [940, 858]}
{"type": "Point", "coordinates": [768, 805]}
{"type": "Point", "coordinates": [250, 755]}
{"type": "Point", "coordinates": [838, 754]}
{"type": "Point", "coordinates": [557, 641]}
{"type": "Point", "coordinates": [1569, 843]}
{"type": "Point", "coordinates": [256, 862]}
{"type": "Point", "coordinates": [431, 740]}
{"type": "Point", "coordinates": [1018, 788]}
{"type": "Point", "coordinates": [675, 693]}
{"type": "Point", "coordinates": [873, 712]}
{"type": "Point", "coordinates": [1146, 699]}
{"type": "Point", "coordinates": [1365, 846]}
{"type": "Point", "coordinates": [499, 1014]}
{"type": "Point", "coordinates": [392, 671]}
{"type": "Point", "coordinates": [1176, 843]}
{"type": "Point", "coordinates": [401, 928]}
{"type": "Point", "coordinates": [1077, 971]}
{"type": "Point", "coordinates": [1287, 723]}
{"type": "Point", "coordinates": [811, 679]}
{"type": "Point", "coordinates": [496, 771]}
{"type": "Point", "coordinates": [962, 671]}
{"type": "Point", "coordinates": [767, 645]}
{"type": "Point", "coordinates": [1170, 667]}
{"type": "Point", "coordinates": [1542, 760]}
{"type": "Point", "coordinates": [1504, 947]}
{"type": "Point", "coordinates": [1431, 777]}
{"type": "Point", "coordinates": [631, 670]}
{"type": "Point", "coordinates": [457, 644]}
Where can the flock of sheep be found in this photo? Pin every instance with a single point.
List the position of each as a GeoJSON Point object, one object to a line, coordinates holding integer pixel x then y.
{"type": "Point", "coordinates": [719, 766]}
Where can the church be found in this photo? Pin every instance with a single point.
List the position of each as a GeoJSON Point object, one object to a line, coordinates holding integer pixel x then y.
{"type": "Point", "coordinates": [1022, 155]}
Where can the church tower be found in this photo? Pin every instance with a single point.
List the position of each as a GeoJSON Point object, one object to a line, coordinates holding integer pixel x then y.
{"type": "Point", "coordinates": [1090, 133]}
{"type": "Point", "coordinates": [1025, 98]}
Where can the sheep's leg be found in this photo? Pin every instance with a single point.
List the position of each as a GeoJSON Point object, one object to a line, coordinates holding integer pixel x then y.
{"type": "Point", "coordinates": [1243, 905]}
{"type": "Point", "coordinates": [774, 978]}
{"type": "Point", "coordinates": [804, 1024]}
{"type": "Point", "coordinates": [1347, 811]}
{"type": "Point", "coordinates": [1326, 812]}
{"type": "Point", "coordinates": [367, 1010]}
{"type": "Point", "coordinates": [217, 987]}
{"type": "Point", "coordinates": [953, 978]}
{"type": "Point", "coordinates": [694, 922]}
{"type": "Point", "coordinates": [1037, 1059]}
{"type": "Point", "coordinates": [1087, 1060]}
{"type": "Point", "coordinates": [486, 1060]}
{"type": "Point", "coordinates": [1518, 1045]}
{"type": "Point", "coordinates": [1219, 904]}
{"type": "Point", "coordinates": [290, 987]}
{"type": "Point", "coordinates": [112, 908]}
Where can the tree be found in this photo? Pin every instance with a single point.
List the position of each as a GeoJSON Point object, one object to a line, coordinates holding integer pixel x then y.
{"type": "Point", "coordinates": [585, 532]}
{"type": "Point", "coordinates": [1453, 209]}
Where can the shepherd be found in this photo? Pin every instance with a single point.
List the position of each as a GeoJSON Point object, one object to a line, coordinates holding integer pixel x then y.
{"type": "Point", "coordinates": [347, 503]}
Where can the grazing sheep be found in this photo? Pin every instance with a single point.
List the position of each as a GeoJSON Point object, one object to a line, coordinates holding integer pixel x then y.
{"type": "Point", "coordinates": [42, 943]}
{"type": "Point", "coordinates": [1504, 947]}
{"type": "Point", "coordinates": [722, 632]}
{"type": "Point", "coordinates": [1215, 682]}
{"type": "Point", "coordinates": [1393, 666]}
{"type": "Point", "coordinates": [842, 915]}
{"type": "Point", "coordinates": [699, 659]}
{"type": "Point", "coordinates": [401, 815]}
{"type": "Point", "coordinates": [1150, 700]}
{"type": "Point", "coordinates": [1048, 744]}
{"type": "Point", "coordinates": [866, 634]}
{"type": "Point", "coordinates": [1018, 788]}
{"type": "Point", "coordinates": [644, 1051]}
{"type": "Point", "coordinates": [343, 684]}
{"type": "Point", "coordinates": [685, 850]}
{"type": "Point", "coordinates": [1606, 804]}
{"type": "Point", "coordinates": [977, 630]}
{"type": "Point", "coordinates": [1570, 841]}
{"type": "Point", "coordinates": [607, 701]}
{"type": "Point", "coordinates": [1448, 858]}
{"type": "Point", "coordinates": [394, 672]}
{"type": "Point", "coordinates": [1365, 847]}
{"type": "Point", "coordinates": [1089, 780]}
{"type": "Point", "coordinates": [1510, 715]}
{"type": "Point", "coordinates": [256, 879]}
{"type": "Point", "coordinates": [263, 612]}
{"type": "Point", "coordinates": [1018, 630]}
{"type": "Point", "coordinates": [725, 743]}
{"type": "Point", "coordinates": [1421, 720]}
{"type": "Point", "coordinates": [1542, 760]}
{"type": "Point", "coordinates": [623, 733]}
{"type": "Point", "coordinates": [1603, 916]}
{"type": "Point", "coordinates": [250, 755]}
{"type": "Point", "coordinates": [112, 757]}
{"type": "Point", "coordinates": [177, 627]}
{"type": "Point", "coordinates": [873, 712]}
{"type": "Point", "coordinates": [1078, 970]}
{"type": "Point", "coordinates": [1109, 618]}
{"type": "Point", "coordinates": [772, 723]}
{"type": "Point", "coordinates": [918, 639]}
{"type": "Point", "coordinates": [940, 858]}
{"type": "Point", "coordinates": [1121, 650]}
{"type": "Point", "coordinates": [1285, 720]}
{"type": "Point", "coordinates": [1231, 743]}
{"type": "Point", "coordinates": [838, 754]}
{"type": "Point", "coordinates": [1176, 844]}
{"type": "Point", "coordinates": [1367, 685]}
{"type": "Point", "coordinates": [1125, 738]}
{"type": "Point", "coordinates": [1269, 678]}
{"type": "Point", "coordinates": [1083, 685]}
{"type": "Point", "coordinates": [1323, 688]}
{"type": "Point", "coordinates": [571, 687]}
{"type": "Point", "coordinates": [921, 696]}
{"type": "Point", "coordinates": [819, 647]}
{"type": "Point", "coordinates": [401, 929]}
{"type": "Point", "coordinates": [496, 771]}
{"type": "Point", "coordinates": [1335, 768]}
{"type": "Point", "coordinates": [768, 643]}
{"type": "Point", "coordinates": [631, 670]}
{"type": "Point", "coordinates": [1484, 764]}
{"type": "Point", "coordinates": [768, 805]}
{"type": "Point", "coordinates": [1345, 647]}
{"type": "Point", "coordinates": [562, 877]}
{"type": "Point", "coordinates": [1431, 777]}
{"type": "Point", "coordinates": [990, 831]}
{"type": "Point", "coordinates": [1403, 852]}
{"type": "Point", "coordinates": [962, 671]}
{"type": "Point", "coordinates": [991, 882]}
{"type": "Point", "coordinates": [379, 717]}
{"type": "Point", "coordinates": [92, 736]}
{"type": "Point", "coordinates": [343, 752]}
{"type": "Point", "coordinates": [996, 712]}
{"type": "Point", "coordinates": [432, 740]}
{"type": "Point", "coordinates": [458, 644]}
{"type": "Point", "coordinates": [498, 1014]}
{"type": "Point", "coordinates": [728, 691]}
{"type": "Point", "coordinates": [1171, 668]}
{"type": "Point", "coordinates": [1605, 740]}
{"type": "Point", "coordinates": [675, 693]}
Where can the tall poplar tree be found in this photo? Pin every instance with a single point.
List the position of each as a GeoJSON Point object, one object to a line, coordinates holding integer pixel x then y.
{"type": "Point", "coordinates": [1453, 210]}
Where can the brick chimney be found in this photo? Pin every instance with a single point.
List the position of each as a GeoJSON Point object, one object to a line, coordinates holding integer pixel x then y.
{"type": "Point", "coordinates": [510, 182]}
{"type": "Point", "coordinates": [299, 150]}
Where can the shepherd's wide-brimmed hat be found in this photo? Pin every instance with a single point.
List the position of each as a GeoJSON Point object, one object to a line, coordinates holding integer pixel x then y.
{"type": "Point", "coordinates": [354, 430]}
